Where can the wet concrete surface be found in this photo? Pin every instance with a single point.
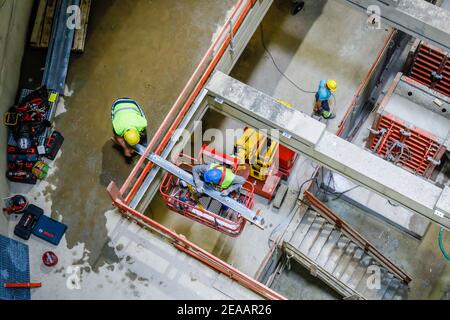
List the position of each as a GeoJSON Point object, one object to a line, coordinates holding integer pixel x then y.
{"type": "Point", "coordinates": [141, 49]}
{"type": "Point", "coordinates": [297, 283]}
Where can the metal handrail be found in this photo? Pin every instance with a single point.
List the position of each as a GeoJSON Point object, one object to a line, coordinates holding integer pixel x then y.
{"type": "Point", "coordinates": [323, 210]}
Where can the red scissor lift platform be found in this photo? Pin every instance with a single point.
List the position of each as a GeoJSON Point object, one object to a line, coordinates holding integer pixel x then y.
{"type": "Point", "coordinates": [183, 199]}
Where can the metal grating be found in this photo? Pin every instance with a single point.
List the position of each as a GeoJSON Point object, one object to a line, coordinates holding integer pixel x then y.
{"type": "Point", "coordinates": [422, 147]}
{"type": "Point", "coordinates": [14, 267]}
{"type": "Point", "coordinates": [431, 67]}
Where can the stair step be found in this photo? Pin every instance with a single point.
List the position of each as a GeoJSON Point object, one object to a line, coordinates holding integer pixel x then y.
{"type": "Point", "coordinates": [352, 265]}
{"type": "Point", "coordinates": [328, 247]}
{"type": "Point", "coordinates": [373, 293]}
{"type": "Point", "coordinates": [303, 228]}
{"type": "Point", "coordinates": [402, 292]}
{"type": "Point", "coordinates": [345, 260]}
{"type": "Point", "coordinates": [312, 235]}
{"type": "Point", "coordinates": [360, 271]}
{"type": "Point", "coordinates": [394, 285]}
{"type": "Point", "coordinates": [323, 237]}
{"type": "Point", "coordinates": [337, 253]}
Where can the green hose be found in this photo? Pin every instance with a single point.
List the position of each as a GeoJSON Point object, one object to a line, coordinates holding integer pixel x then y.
{"type": "Point", "coordinates": [441, 245]}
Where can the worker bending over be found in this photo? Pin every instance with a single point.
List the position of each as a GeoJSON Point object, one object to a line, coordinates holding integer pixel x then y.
{"type": "Point", "coordinates": [129, 124]}
{"type": "Point", "coordinates": [218, 177]}
{"type": "Point", "coordinates": [323, 95]}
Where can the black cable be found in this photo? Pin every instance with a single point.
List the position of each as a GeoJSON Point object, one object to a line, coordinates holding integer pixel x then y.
{"type": "Point", "coordinates": [276, 65]}
{"type": "Point", "coordinates": [269, 240]}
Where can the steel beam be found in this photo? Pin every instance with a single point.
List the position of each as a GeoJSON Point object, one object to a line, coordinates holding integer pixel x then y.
{"type": "Point", "coordinates": [60, 47]}
{"type": "Point", "coordinates": [417, 18]}
{"type": "Point", "coordinates": [246, 213]}
{"type": "Point", "coordinates": [305, 135]}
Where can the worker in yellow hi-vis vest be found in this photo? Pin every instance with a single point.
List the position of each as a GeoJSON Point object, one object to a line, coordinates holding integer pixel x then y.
{"type": "Point", "coordinates": [218, 177]}
{"type": "Point", "coordinates": [129, 125]}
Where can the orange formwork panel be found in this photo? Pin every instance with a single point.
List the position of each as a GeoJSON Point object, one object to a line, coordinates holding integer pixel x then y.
{"type": "Point", "coordinates": [431, 67]}
{"type": "Point", "coordinates": [408, 146]}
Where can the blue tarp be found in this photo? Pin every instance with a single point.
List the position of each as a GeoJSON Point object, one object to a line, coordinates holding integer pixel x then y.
{"type": "Point", "coordinates": [14, 267]}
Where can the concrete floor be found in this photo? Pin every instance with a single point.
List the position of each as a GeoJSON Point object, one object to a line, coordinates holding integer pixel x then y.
{"type": "Point", "coordinates": [128, 54]}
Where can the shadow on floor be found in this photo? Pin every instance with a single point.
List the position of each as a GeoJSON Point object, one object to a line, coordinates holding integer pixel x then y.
{"type": "Point", "coordinates": [296, 283]}
{"type": "Point", "coordinates": [282, 35]}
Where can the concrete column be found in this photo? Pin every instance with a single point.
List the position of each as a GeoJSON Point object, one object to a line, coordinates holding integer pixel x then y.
{"type": "Point", "coordinates": [14, 19]}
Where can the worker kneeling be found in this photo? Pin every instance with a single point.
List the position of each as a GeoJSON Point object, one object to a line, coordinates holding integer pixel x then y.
{"type": "Point", "coordinates": [129, 124]}
{"type": "Point", "coordinates": [218, 177]}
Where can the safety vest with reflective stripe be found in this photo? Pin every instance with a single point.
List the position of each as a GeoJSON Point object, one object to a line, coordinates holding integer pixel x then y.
{"type": "Point", "coordinates": [127, 115]}
{"type": "Point", "coordinates": [227, 175]}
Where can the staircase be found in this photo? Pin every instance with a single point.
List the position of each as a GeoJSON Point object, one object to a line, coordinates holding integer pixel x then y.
{"type": "Point", "coordinates": [330, 253]}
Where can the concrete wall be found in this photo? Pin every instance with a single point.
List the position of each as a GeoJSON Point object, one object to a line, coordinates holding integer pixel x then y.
{"type": "Point", "coordinates": [14, 19]}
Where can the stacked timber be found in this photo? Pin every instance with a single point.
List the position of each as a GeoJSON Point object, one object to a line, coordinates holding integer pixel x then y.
{"type": "Point", "coordinates": [43, 25]}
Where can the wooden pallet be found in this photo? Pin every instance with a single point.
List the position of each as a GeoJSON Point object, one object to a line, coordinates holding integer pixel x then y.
{"type": "Point", "coordinates": [42, 29]}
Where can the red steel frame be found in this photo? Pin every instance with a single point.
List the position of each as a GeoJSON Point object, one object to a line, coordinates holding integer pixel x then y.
{"type": "Point", "coordinates": [181, 243]}
{"type": "Point", "coordinates": [422, 145]}
{"type": "Point", "coordinates": [364, 83]}
{"type": "Point", "coordinates": [122, 197]}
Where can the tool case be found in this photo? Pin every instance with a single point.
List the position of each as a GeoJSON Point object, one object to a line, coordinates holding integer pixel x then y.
{"type": "Point", "coordinates": [28, 221]}
{"type": "Point", "coordinates": [53, 144]}
{"type": "Point", "coordinates": [49, 230]}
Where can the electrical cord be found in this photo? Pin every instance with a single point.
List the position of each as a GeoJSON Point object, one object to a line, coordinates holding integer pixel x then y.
{"type": "Point", "coordinates": [277, 67]}
{"type": "Point", "coordinates": [263, 42]}
{"type": "Point", "coordinates": [441, 244]}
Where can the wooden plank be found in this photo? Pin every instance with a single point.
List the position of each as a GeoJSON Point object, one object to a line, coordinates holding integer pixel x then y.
{"type": "Point", "coordinates": [38, 23]}
{"type": "Point", "coordinates": [80, 34]}
{"type": "Point", "coordinates": [48, 22]}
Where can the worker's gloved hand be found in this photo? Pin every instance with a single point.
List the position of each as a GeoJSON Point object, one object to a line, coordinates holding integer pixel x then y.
{"type": "Point", "coordinates": [225, 193]}
{"type": "Point", "coordinates": [200, 187]}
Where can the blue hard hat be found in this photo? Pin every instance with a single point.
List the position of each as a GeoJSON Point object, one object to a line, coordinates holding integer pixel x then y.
{"type": "Point", "coordinates": [212, 176]}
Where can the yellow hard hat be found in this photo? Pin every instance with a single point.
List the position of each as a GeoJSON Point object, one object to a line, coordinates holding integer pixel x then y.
{"type": "Point", "coordinates": [332, 85]}
{"type": "Point", "coordinates": [132, 136]}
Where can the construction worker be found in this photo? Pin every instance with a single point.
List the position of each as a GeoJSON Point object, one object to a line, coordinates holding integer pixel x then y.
{"type": "Point", "coordinates": [323, 95]}
{"type": "Point", "coordinates": [129, 124]}
{"type": "Point", "coordinates": [218, 177]}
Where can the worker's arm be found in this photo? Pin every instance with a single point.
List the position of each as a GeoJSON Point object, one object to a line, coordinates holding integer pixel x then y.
{"type": "Point", "coordinates": [197, 172]}
{"type": "Point", "coordinates": [127, 149]}
{"type": "Point", "coordinates": [236, 185]}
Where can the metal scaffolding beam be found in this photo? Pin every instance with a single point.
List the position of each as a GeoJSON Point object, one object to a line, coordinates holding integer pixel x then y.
{"type": "Point", "coordinates": [417, 18]}
{"type": "Point", "coordinates": [305, 135]}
